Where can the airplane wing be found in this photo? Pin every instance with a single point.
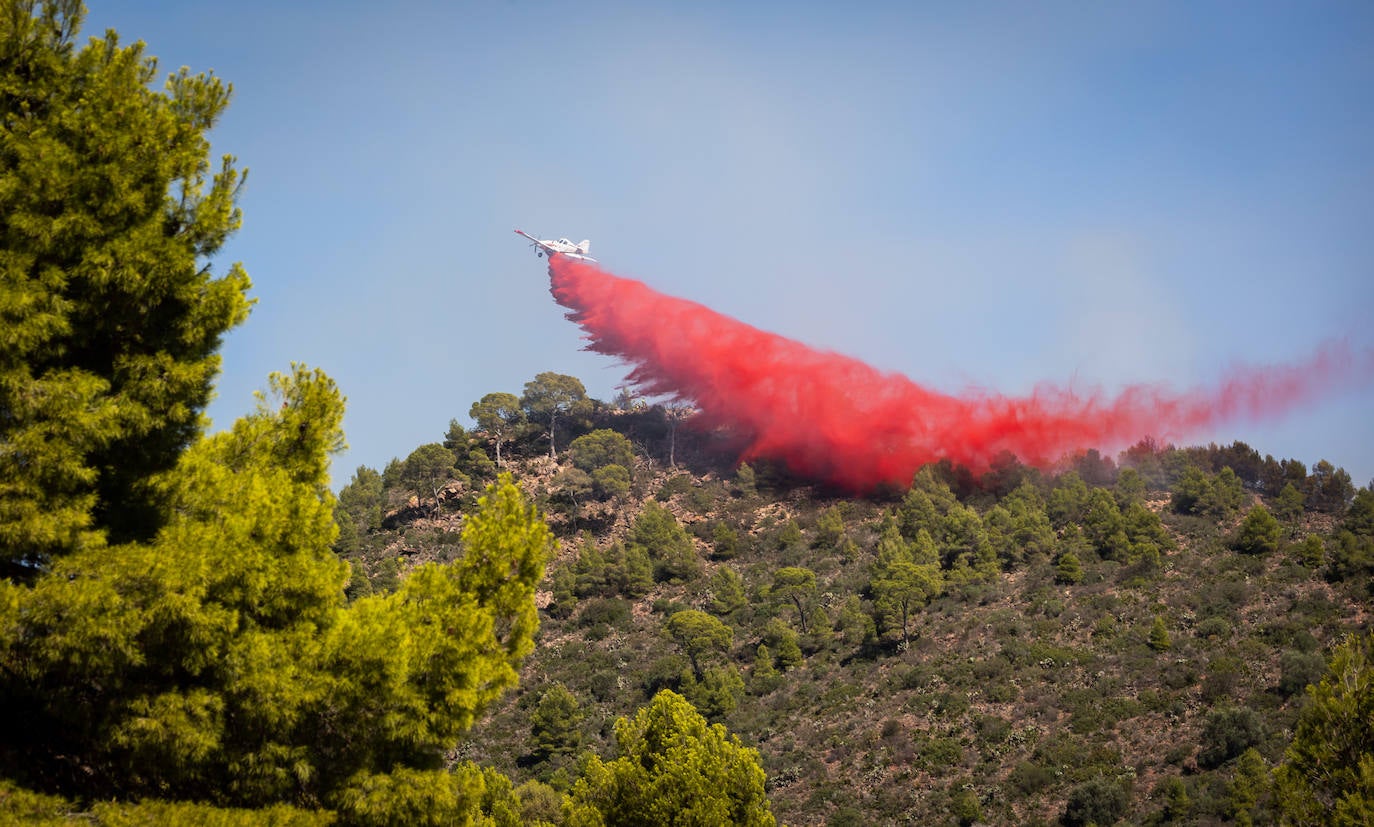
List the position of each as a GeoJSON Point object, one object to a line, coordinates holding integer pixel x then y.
{"type": "Point", "coordinates": [545, 248]}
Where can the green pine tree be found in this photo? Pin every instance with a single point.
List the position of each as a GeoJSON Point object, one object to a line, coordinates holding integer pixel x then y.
{"type": "Point", "coordinates": [659, 533]}
{"type": "Point", "coordinates": [555, 723]}
{"type": "Point", "coordinates": [727, 592]}
{"type": "Point", "coordinates": [699, 635]}
{"type": "Point", "coordinates": [1068, 570]}
{"type": "Point", "coordinates": [672, 768]}
{"type": "Point", "coordinates": [1311, 552]}
{"type": "Point", "coordinates": [901, 585]}
{"type": "Point", "coordinates": [112, 319]}
{"type": "Point", "coordinates": [1258, 533]}
{"type": "Point", "coordinates": [220, 656]}
{"type": "Point", "coordinates": [1159, 635]}
{"type": "Point", "coordinates": [1327, 775]}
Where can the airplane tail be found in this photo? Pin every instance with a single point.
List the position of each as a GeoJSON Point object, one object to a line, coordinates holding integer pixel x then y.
{"type": "Point", "coordinates": [585, 247]}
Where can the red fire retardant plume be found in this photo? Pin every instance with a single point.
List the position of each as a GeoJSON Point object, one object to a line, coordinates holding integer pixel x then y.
{"type": "Point", "coordinates": [835, 419]}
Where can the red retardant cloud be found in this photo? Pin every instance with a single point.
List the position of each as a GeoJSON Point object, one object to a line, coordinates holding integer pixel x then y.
{"type": "Point", "coordinates": [835, 419]}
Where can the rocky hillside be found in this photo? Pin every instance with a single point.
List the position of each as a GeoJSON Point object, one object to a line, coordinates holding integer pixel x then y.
{"type": "Point", "coordinates": [1117, 640]}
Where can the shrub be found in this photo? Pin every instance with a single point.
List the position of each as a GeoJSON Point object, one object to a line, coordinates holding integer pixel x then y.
{"type": "Point", "coordinates": [680, 484]}
{"type": "Point", "coordinates": [1223, 679]}
{"type": "Point", "coordinates": [1298, 669]}
{"type": "Point", "coordinates": [612, 481]}
{"type": "Point", "coordinates": [1101, 801]}
{"type": "Point", "coordinates": [1213, 627]}
{"type": "Point", "coordinates": [1030, 778]}
{"type": "Point", "coordinates": [941, 752]}
{"type": "Point", "coordinates": [992, 729]}
{"type": "Point", "coordinates": [1227, 733]}
{"type": "Point", "coordinates": [1259, 532]}
{"type": "Point", "coordinates": [965, 808]}
{"type": "Point", "coordinates": [604, 611]}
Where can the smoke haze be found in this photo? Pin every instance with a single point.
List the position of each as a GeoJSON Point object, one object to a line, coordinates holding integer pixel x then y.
{"type": "Point", "coordinates": [833, 418]}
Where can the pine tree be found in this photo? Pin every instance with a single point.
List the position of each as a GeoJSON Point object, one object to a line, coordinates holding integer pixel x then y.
{"type": "Point", "coordinates": [727, 592]}
{"type": "Point", "coordinates": [592, 577]}
{"type": "Point", "coordinates": [555, 723]}
{"type": "Point", "coordinates": [553, 398]}
{"type": "Point", "coordinates": [221, 656]}
{"type": "Point", "coordinates": [672, 768]}
{"type": "Point", "coordinates": [1311, 552]}
{"type": "Point", "coordinates": [764, 676]}
{"type": "Point", "coordinates": [746, 480]}
{"type": "Point", "coordinates": [699, 635]}
{"type": "Point", "coordinates": [1148, 540]}
{"type": "Point", "coordinates": [173, 621]}
{"type": "Point", "coordinates": [1068, 501]}
{"type": "Point", "coordinates": [1289, 504]}
{"type": "Point", "coordinates": [1019, 528]}
{"type": "Point", "coordinates": [1068, 570]}
{"type": "Point", "coordinates": [111, 316]}
{"type": "Point", "coordinates": [829, 529]}
{"type": "Point", "coordinates": [724, 541]}
{"type": "Point", "coordinates": [1327, 776]}
{"type": "Point", "coordinates": [631, 569]}
{"type": "Point", "coordinates": [427, 470]}
{"type": "Point", "coordinates": [1105, 527]}
{"type": "Point", "coordinates": [1258, 533]}
{"type": "Point", "coordinates": [499, 415]}
{"type": "Point", "coordinates": [901, 585]}
{"type": "Point", "coordinates": [797, 585]}
{"type": "Point", "coordinates": [659, 533]}
{"type": "Point", "coordinates": [1130, 488]}
{"type": "Point", "coordinates": [781, 639]}
{"type": "Point", "coordinates": [1159, 635]}
{"type": "Point", "coordinates": [1249, 787]}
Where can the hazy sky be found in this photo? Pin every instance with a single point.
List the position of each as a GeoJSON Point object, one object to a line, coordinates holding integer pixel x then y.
{"type": "Point", "coordinates": [989, 194]}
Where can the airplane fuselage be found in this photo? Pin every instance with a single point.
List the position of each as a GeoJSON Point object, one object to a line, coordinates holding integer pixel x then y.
{"type": "Point", "coordinates": [561, 246]}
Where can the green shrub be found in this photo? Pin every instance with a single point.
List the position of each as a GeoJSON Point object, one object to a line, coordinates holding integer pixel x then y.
{"type": "Point", "coordinates": [1227, 733]}
{"type": "Point", "coordinates": [941, 752]}
{"type": "Point", "coordinates": [604, 612]}
{"type": "Point", "coordinates": [1223, 679]}
{"type": "Point", "coordinates": [1213, 627]}
{"type": "Point", "coordinates": [680, 484]}
{"type": "Point", "coordinates": [1100, 801]}
{"type": "Point", "coordinates": [612, 481]}
{"type": "Point", "coordinates": [1298, 669]}
{"type": "Point", "coordinates": [965, 807]}
{"type": "Point", "coordinates": [992, 729]}
{"type": "Point", "coordinates": [1029, 778]}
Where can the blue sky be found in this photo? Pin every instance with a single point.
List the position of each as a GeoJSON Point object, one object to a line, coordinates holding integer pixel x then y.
{"type": "Point", "coordinates": [989, 194]}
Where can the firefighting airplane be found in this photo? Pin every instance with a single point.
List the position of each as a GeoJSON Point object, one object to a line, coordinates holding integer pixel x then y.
{"type": "Point", "coordinates": [561, 246]}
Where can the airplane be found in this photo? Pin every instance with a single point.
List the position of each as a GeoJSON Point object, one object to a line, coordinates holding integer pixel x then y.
{"type": "Point", "coordinates": [561, 246]}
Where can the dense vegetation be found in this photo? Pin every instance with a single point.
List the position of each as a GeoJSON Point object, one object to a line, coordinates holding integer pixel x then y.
{"type": "Point", "coordinates": [1129, 638]}
{"type": "Point", "coordinates": [585, 613]}
{"type": "Point", "coordinates": [176, 644]}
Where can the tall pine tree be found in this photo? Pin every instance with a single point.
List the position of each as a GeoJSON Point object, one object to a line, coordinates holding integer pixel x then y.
{"type": "Point", "coordinates": [111, 315]}
{"type": "Point", "coordinates": [172, 618]}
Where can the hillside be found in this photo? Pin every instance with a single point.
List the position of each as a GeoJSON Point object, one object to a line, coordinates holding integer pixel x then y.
{"type": "Point", "coordinates": [1117, 638]}
{"type": "Point", "coordinates": [590, 614]}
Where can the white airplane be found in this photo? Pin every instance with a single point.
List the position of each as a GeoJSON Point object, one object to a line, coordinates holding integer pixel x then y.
{"type": "Point", "coordinates": [561, 246]}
